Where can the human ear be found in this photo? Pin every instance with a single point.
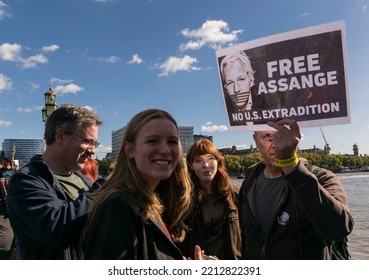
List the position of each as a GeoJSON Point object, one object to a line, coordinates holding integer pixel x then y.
{"type": "Point", "coordinates": [59, 135]}
{"type": "Point", "coordinates": [128, 149]}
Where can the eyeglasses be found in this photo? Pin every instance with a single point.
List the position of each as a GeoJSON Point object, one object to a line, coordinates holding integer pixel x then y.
{"type": "Point", "coordinates": [88, 142]}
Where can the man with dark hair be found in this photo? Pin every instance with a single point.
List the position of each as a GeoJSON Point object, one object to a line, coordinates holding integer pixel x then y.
{"type": "Point", "coordinates": [47, 197]}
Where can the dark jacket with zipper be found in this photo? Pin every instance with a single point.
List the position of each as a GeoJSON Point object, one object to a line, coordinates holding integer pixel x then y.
{"type": "Point", "coordinates": [318, 214]}
{"type": "Point", "coordinates": [231, 231]}
{"type": "Point", "coordinates": [46, 223]}
{"type": "Point", "coordinates": [117, 232]}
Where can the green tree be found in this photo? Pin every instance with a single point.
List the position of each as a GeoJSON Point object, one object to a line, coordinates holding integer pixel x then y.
{"type": "Point", "coordinates": [365, 160]}
{"type": "Point", "coordinates": [312, 158]}
{"type": "Point", "coordinates": [333, 161]}
{"type": "Point", "coordinates": [236, 164]}
{"type": "Point", "coordinates": [233, 164]}
{"type": "Point", "coordinates": [103, 166]}
{"type": "Point", "coordinates": [250, 159]}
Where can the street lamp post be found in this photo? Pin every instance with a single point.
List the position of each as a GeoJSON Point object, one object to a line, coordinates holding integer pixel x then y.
{"type": "Point", "coordinates": [50, 104]}
{"type": "Point", "coordinates": [13, 154]}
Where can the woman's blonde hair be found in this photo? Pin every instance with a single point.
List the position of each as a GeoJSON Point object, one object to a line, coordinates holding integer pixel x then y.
{"type": "Point", "coordinates": [171, 200]}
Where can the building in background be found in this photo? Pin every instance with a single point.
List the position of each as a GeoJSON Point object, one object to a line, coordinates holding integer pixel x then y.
{"type": "Point", "coordinates": [355, 149]}
{"type": "Point", "coordinates": [234, 151]}
{"type": "Point", "coordinates": [185, 134]}
{"type": "Point", "coordinates": [186, 137]}
{"type": "Point", "coordinates": [116, 142]}
{"type": "Point", "coordinates": [200, 136]}
{"type": "Point", "coordinates": [314, 150]}
{"type": "Point", "coordinates": [24, 149]}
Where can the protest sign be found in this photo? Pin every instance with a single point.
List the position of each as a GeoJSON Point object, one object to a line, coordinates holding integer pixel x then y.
{"type": "Point", "coordinates": [299, 75]}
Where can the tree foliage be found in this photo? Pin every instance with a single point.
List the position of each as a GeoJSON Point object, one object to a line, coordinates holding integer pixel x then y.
{"type": "Point", "coordinates": [103, 166]}
{"type": "Point", "coordinates": [237, 164]}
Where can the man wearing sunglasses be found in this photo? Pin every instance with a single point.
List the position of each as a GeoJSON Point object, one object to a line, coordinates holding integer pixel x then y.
{"type": "Point", "coordinates": [47, 198]}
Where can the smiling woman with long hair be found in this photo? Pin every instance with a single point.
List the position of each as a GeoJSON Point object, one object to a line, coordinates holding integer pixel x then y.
{"type": "Point", "coordinates": [139, 212]}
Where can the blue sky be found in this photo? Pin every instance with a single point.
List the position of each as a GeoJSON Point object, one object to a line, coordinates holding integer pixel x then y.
{"type": "Point", "coordinates": [119, 57]}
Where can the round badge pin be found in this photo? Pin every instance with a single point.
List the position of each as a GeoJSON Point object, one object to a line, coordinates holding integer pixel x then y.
{"type": "Point", "coordinates": [283, 219]}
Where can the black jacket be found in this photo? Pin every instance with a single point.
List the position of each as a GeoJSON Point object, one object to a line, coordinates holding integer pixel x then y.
{"type": "Point", "coordinates": [117, 231]}
{"type": "Point", "coordinates": [231, 232]}
{"type": "Point", "coordinates": [46, 223]}
{"type": "Point", "coordinates": [318, 214]}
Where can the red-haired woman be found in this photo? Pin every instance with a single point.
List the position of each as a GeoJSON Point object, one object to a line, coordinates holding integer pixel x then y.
{"type": "Point", "coordinates": [213, 222]}
{"type": "Point", "coordinates": [91, 169]}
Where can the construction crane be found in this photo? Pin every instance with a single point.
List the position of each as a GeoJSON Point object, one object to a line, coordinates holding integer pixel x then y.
{"type": "Point", "coordinates": [326, 146]}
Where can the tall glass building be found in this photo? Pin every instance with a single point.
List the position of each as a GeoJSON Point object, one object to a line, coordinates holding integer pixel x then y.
{"type": "Point", "coordinates": [24, 149]}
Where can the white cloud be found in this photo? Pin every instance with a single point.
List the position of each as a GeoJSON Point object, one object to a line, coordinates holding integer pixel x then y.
{"type": "Point", "coordinates": [4, 10]}
{"type": "Point", "coordinates": [60, 81]}
{"type": "Point", "coordinates": [51, 48]}
{"type": "Point", "coordinates": [12, 52]}
{"type": "Point", "coordinates": [5, 83]}
{"type": "Point", "coordinates": [213, 33]}
{"type": "Point", "coordinates": [111, 59]}
{"type": "Point", "coordinates": [71, 88]}
{"type": "Point", "coordinates": [88, 107]}
{"type": "Point", "coordinates": [303, 15]}
{"type": "Point", "coordinates": [102, 150]}
{"type": "Point", "coordinates": [24, 110]}
{"type": "Point", "coordinates": [5, 123]}
{"type": "Point", "coordinates": [135, 59]}
{"type": "Point", "coordinates": [174, 64]}
{"type": "Point", "coordinates": [34, 86]}
{"type": "Point", "coordinates": [33, 61]}
{"type": "Point", "coordinates": [365, 7]}
{"type": "Point", "coordinates": [210, 127]}
{"type": "Point", "coordinates": [29, 110]}
{"type": "Point", "coordinates": [242, 147]}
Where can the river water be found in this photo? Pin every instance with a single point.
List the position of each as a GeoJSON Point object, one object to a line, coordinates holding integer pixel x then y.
{"type": "Point", "coordinates": [357, 191]}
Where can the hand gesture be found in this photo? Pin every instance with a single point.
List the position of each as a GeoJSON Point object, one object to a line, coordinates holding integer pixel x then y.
{"type": "Point", "coordinates": [200, 255]}
{"type": "Point", "coordinates": [286, 138]}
